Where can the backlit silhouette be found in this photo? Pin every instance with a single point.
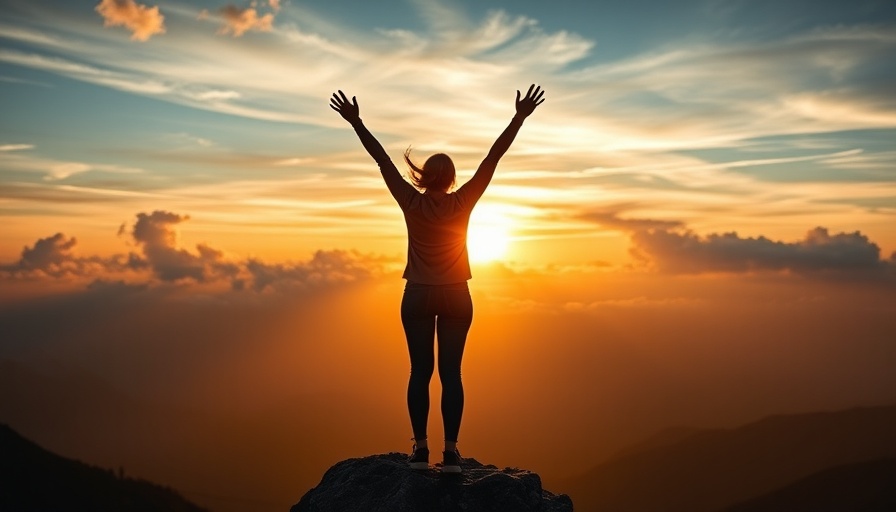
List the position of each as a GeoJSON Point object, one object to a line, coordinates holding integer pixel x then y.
{"type": "Point", "coordinates": [436, 299]}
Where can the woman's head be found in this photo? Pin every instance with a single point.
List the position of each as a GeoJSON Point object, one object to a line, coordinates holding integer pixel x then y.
{"type": "Point", "coordinates": [437, 172]}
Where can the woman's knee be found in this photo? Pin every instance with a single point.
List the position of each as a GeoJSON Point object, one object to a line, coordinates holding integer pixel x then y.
{"type": "Point", "coordinates": [421, 372]}
{"type": "Point", "coordinates": [450, 378]}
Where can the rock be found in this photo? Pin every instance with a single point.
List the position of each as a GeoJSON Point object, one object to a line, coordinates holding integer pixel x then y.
{"type": "Point", "coordinates": [386, 483]}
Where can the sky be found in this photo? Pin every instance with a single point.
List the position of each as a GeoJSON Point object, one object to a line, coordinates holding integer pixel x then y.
{"type": "Point", "coordinates": [697, 227]}
{"type": "Point", "coordinates": [764, 119]}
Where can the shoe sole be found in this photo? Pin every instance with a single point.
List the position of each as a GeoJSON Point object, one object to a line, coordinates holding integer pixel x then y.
{"type": "Point", "coordinates": [451, 469]}
{"type": "Point", "coordinates": [419, 465]}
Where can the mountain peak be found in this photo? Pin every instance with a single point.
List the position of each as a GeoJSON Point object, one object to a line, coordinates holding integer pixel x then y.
{"type": "Point", "coordinates": [385, 482]}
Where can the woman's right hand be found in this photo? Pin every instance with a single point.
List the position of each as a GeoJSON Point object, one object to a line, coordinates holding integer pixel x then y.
{"type": "Point", "coordinates": [534, 98]}
{"type": "Point", "coordinates": [349, 111]}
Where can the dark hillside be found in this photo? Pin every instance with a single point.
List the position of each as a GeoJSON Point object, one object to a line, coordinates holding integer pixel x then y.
{"type": "Point", "coordinates": [862, 487]}
{"type": "Point", "coordinates": [37, 480]}
{"type": "Point", "coordinates": [714, 469]}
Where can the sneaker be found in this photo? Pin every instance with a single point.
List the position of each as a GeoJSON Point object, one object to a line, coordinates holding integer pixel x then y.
{"type": "Point", "coordinates": [419, 459]}
{"type": "Point", "coordinates": [451, 462]}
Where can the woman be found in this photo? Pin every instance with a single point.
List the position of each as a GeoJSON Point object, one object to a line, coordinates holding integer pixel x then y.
{"type": "Point", "coordinates": [436, 299]}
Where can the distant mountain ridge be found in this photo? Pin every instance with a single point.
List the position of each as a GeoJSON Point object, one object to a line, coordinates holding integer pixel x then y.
{"type": "Point", "coordinates": [35, 479]}
{"type": "Point", "coordinates": [711, 470]}
{"type": "Point", "coordinates": [864, 486]}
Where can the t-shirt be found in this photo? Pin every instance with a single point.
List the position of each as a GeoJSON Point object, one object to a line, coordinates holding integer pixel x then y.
{"type": "Point", "coordinates": [437, 225]}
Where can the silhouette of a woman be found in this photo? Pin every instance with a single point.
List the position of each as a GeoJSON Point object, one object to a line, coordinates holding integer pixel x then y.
{"type": "Point", "coordinates": [436, 298]}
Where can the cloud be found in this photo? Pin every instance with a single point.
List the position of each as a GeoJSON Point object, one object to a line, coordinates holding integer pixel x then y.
{"type": "Point", "coordinates": [130, 82]}
{"type": "Point", "coordinates": [63, 170]}
{"type": "Point", "coordinates": [54, 256]}
{"type": "Point", "coordinates": [48, 252]}
{"type": "Point", "coordinates": [217, 95]}
{"type": "Point", "coordinates": [161, 259]}
{"type": "Point", "coordinates": [323, 269]}
{"type": "Point", "coordinates": [15, 147]}
{"type": "Point", "coordinates": [672, 248]}
{"type": "Point", "coordinates": [667, 246]}
{"type": "Point", "coordinates": [818, 252]}
{"type": "Point", "coordinates": [680, 95]}
{"type": "Point", "coordinates": [12, 158]}
{"type": "Point", "coordinates": [612, 220]}
{"type": "Point", "coordinates": [155, 234]}
{"type": "Point", "coordinates": [239, 21]}
{"type": "Point", "coordinates": [142, 21]}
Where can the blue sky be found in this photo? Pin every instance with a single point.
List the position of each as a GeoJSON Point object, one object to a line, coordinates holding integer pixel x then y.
{"type": "Point", "coordinates": [765, 118]}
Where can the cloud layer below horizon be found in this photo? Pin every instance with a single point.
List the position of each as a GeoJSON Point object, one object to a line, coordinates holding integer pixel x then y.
{"type": "Point", "coordinates": [661, 246]}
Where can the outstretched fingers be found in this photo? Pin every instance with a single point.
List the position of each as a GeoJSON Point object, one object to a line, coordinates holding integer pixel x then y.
{"type": "Point", "coordinates": [339, 101]}
{"type": "Point", "coordinates": [534, 97]}
{"type": "Point", "coordinates": [336, 102]}
{"type": "Point", "coordinates": [538, 96]}
{"type": "Point", "coordinates": [345, 101]}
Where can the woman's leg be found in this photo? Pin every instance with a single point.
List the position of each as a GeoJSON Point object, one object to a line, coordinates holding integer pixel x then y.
{"type": "Point", "coordinates": [454, 320]}
{"type": "Point", "coordinates": [419, 329]}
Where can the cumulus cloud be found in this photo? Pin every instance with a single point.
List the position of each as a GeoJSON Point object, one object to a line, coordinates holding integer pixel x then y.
{"type": "Point", "coordinates": [155, 234]}
{"type": "Point", "coordinates": [324, 268]}
{"type": "Point", "coordinates": [673, 248]}
{"type": "Point", "coordinates": [239, 21]}
{"type": "Point", "coordinates": [48, 252]}
{"type": "Point", "coordinates": [142, 21]}
{"type": "Point", "coordinates": [54, 256]}
{"type": "Point", "coordinates": [817, 252]}
{"type": "Point", "coordinates": [160, 258]}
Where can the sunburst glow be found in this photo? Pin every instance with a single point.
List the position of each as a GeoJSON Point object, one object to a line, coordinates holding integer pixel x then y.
{"type": "Point", "coordinates": [489, 235]}
{"type": "Point", "coordinates": [487, 242]}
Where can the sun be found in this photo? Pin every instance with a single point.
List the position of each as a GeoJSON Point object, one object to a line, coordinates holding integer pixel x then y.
{"type": "Point", "coordinates": [487, 242]}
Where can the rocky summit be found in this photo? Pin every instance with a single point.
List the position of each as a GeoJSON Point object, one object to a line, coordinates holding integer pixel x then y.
{"type": "Point", "coordinates": [386, 483]}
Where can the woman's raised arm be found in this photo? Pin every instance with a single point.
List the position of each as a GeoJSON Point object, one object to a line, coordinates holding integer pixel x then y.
{"type": "Point", "coordinates": [352, 113]}
{"type": "Point", "coordinates": [401, 190]}
{"type": "Point", "coordinates": [524, 108]}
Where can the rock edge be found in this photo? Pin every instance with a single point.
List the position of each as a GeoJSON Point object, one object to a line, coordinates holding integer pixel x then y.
{"type": "Point", "coordinates": [386, 483]}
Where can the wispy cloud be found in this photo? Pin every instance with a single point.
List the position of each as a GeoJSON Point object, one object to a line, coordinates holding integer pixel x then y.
{"type": "Point", "coordinates": [15, 147]}
{"type": "Point", "coordinates": [12, 160]}
{"type": "Point", "coordinates": [688, 96]}
{"type": "Point", "coordinates": [133, 83]}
